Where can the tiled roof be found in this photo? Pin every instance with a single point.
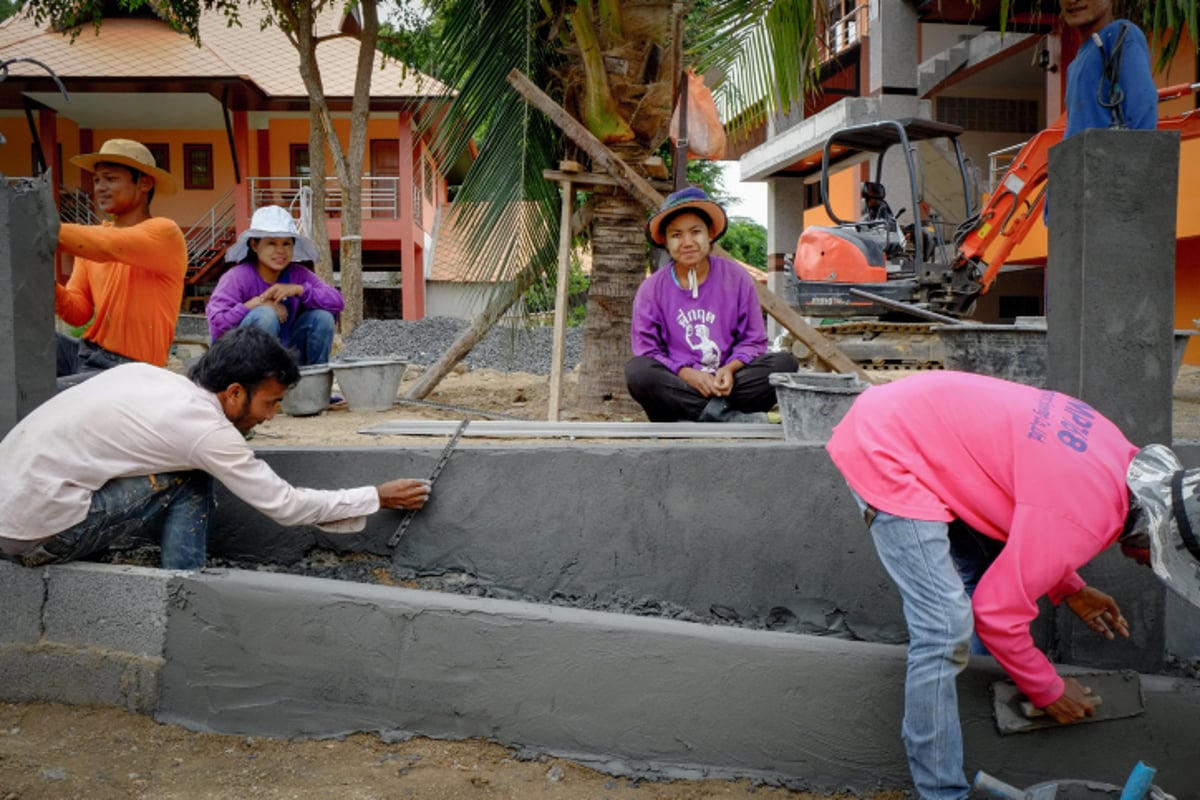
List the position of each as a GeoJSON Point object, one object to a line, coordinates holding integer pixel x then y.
{"type": "Point", "coordinates": [149, 48]}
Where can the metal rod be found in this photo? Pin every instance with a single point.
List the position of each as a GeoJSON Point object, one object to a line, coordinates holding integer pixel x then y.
{"type": "Point", "coordinates": [407, 519]}
{"type": "Point", "coordinates": [906, 307]}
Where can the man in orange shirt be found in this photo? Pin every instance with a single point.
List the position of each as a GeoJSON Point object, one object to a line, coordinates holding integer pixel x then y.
{"type": "Point", "coordinates": [128, 274]}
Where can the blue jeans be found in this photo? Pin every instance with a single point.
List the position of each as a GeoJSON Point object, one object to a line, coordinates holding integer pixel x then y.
{"type": "Point", "coordinates": [125, 508]}
{"type": "Point", "coordinates": [973, 553]}
{"type": "Point", "coordinates": [916, 554]}
{"type": "Point", "coordinates": [309, 335]}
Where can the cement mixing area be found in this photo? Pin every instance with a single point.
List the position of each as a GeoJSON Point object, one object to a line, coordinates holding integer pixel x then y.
{"type": "Point", "coordinates": [561, 538]}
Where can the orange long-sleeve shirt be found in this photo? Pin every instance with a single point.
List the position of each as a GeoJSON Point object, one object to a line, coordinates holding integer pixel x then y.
{"type": "Point", "coordinates": [130, 280]}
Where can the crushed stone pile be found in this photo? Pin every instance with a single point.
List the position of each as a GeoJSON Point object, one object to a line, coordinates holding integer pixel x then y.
{"type": "Point", "coordinates": [421, 342]}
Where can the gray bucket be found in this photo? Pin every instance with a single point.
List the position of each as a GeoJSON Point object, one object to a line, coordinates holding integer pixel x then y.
{"type": "Point", "coordinates": [812, 403]}
{"type": "Point", "coordinates": [311, 394]}
{"type": "Point", "coordinates": [1012, 352]}
{"type": "Point", "coordinates": [369, 385]}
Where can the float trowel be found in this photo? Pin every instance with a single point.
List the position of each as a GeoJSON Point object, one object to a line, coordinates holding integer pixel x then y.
{"type": "Point", "coordinates": [1117, 694]}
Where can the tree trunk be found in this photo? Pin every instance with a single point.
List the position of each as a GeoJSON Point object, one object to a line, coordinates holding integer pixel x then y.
{"type": "Point", "coordinates": [349, 165]}
{"type": "Point", "coordinates": [320, 221]}
{"type": "Point", "coordinates": [618, 268]}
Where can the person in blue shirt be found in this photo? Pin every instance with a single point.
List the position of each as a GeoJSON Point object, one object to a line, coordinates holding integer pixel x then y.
{"type": "Point", "coordinates": [1109, 82]}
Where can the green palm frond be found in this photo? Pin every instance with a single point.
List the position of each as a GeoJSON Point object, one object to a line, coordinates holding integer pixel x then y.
{"type": "Point", "coordinates": [766, 51]}
{"type": "Point", "coordinates": [482, 42]}
{"type": "Point", "coordinates": [1165, 22]}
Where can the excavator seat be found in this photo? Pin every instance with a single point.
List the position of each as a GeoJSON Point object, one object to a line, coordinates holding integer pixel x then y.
{"type": "Point", "coordinates": [875, 206]}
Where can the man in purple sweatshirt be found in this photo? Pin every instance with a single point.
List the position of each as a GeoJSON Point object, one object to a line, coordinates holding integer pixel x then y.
{"type": "Point", "coordinates": [270, 290]}
{"type": "Point", "coordinates": [699, 343]}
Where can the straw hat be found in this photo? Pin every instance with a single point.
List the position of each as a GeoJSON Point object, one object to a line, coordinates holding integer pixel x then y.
{"type": "Point", "coordinates": [272, 222]}
{"type": "Point", "coordinates": [128, 153]}
{"type": "Point", "coordinates": [1166, 500]}
{"type": "Point", "coordinates": [689, 199]}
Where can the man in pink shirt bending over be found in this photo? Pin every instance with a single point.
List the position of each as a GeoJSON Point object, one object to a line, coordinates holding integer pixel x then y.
{"type": "Point", "coordinates": [1036, 484]}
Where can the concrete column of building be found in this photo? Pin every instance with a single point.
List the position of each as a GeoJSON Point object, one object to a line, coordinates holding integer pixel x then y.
{"type": "Point", "coordinates": [785, 220]}
{"type": "Point", "coordinates": [1110, 297]}
{"type": "Point", "coordinates": [412, 269]}
{"type": "Point", "coordinates": [241, 149]}
{"type": "Point", "coordinates": [892, 47]}
{"type": "Point", "coordinates": [28, 239]}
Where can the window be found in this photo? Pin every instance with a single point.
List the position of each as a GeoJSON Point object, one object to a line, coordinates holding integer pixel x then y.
{"type": "Point", "coordinates": [197, 166]}
{"type": "Point", "coordinates": [298, 160]}
{"type": "Point", "coordinates": [162, 155]}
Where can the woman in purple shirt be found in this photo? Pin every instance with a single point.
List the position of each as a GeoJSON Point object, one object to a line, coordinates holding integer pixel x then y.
{"type": "Point", "coordinates": [270, 290]}
{"type": "Point", "coordinates": [699, 343]}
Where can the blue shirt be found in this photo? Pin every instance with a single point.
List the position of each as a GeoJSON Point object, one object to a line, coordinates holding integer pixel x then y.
{"type": "Point", "coordinates": [1085, 77]}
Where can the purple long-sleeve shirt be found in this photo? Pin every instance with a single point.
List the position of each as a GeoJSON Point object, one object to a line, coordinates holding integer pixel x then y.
{"type": "Point", "coordinates": [723, 323]}
{"type": "Point", "coordinates": [227, 306]}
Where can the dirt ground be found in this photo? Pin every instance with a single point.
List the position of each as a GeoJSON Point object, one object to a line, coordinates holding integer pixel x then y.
{"type": "Point", "coordinates": [54, 751]}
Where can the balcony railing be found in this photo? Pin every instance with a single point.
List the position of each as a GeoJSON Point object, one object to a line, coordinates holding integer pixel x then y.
{"type": "Point", "coordinates": [846, 28]}
{"type": "Point", "coordinates": [212, 232]}
{"type": "Point", "coordinates": [998, 163]}
{"type": "Point", "coordinates": [380, 195]}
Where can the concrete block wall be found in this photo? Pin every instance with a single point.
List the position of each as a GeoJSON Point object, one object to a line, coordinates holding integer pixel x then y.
{"type": "Point", "coordinates": [285, 656]}
{"type": "Point", "coordinates": [754, 527]}
{"type": "Point", "coordinates": [83, 633]}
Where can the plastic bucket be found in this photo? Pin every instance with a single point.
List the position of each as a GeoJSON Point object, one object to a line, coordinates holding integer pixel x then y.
{"type": "Point", "coordinates": [311, 394]}
{"type": "Point", "coordinates": [812, 403]}
{"type": "Point", "coordinates": [369, 385]}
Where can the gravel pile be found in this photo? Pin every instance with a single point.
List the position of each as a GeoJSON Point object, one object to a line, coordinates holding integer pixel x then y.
{"type": "Point", "coordinates": [423, 341]}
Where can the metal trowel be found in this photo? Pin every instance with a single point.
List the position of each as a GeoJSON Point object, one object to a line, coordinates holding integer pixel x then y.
{"type": "Point", "coordinates": [1118, 694]}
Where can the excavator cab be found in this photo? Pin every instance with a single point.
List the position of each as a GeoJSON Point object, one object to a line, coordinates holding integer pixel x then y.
{"type": "Point", "coordinates": [903, 264]}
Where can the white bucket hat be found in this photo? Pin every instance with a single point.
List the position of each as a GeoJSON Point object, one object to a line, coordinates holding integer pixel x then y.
{"type": "Point", "coordinates": [272, 222]}
{"type": "Point", "coordinates": [1166, 500]}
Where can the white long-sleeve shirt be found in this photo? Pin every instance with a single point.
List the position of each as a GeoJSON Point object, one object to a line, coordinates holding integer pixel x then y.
{"type": "Point", "coordinates": [137, 419]}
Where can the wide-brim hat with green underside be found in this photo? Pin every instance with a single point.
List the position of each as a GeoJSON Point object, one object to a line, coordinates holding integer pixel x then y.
{"type": "Point", "coordinates": [133, 155]}
{"type": "Point", "coordinates": [1165, 514]}
{"type": "Point", "coordinates": [688, 199]}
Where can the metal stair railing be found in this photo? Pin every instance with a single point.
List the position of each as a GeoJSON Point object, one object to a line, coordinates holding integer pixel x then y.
{"type": "Point", "coordinates": [210, 234]}
{"type": "Point", "coordinates": [77, 206]}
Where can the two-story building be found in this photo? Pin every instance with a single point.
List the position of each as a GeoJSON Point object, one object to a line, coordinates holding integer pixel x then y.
{"type": "Point", "coordinates": [948, 61]}
{"type": "Point", "coordinates": [230, 120]}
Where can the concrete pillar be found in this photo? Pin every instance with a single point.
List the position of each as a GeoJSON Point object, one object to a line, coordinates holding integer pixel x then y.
{"type": "Point", "coordinates": [1111, 276]}
{"type": "Point", "coordinates": [1110, 296]}
{"type": "Point", "coordinates": [785, 220]}
{"type": "Point", "coordinates": [892, 47]}
{"type": "Point", "coordinates": [28, 239]}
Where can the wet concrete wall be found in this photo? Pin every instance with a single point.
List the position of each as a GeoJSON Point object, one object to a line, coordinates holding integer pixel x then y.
{"type": "Point", "coordinates": [749, 527]}
{"type": "Point", "coordinates": [28, 238]}
{"type": "Point", "coordinates": [286, 656]}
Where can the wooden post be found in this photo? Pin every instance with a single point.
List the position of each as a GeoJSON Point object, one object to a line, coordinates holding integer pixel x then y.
{"type": "Point", "coordinates": [560, 299]}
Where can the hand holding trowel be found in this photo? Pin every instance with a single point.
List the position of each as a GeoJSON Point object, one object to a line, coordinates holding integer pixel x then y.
{"type": "Point", "coordinates": [406, 520]}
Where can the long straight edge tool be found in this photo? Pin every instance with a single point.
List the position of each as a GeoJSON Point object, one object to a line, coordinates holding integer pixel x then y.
{"type": "Point", "coordinates": [407, 519]}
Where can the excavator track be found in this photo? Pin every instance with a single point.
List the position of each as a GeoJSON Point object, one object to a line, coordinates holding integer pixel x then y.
{"type": "Point", "coordinates": [877, 345]}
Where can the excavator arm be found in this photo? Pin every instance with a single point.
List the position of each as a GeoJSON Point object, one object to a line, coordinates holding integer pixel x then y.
{"type": "Point", "coordinates": [985, 242]}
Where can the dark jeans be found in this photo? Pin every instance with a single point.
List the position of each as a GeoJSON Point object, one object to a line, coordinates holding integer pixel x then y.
{"type": "Point", "coordinates": [78, 359]}
{"type": "Point", "coordinates": [972, 553]}
{"type": "Point", "coordinates": [666, 397]}
{"type": "Point", "coordinates": [132, 508]}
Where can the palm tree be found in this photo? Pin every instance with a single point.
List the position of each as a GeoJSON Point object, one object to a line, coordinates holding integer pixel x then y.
{"type": "Point", "coordinates": [614, 65]}
{"type": "Point", "coordinates": [570, 50]}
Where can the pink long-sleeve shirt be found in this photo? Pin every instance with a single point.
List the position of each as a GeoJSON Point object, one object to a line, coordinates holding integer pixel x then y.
{"type": "Point", "coordinates": [1038, 470]}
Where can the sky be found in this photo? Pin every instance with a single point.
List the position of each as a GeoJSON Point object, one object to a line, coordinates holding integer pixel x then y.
{"type": "Point", "coordinates": [751, 197]}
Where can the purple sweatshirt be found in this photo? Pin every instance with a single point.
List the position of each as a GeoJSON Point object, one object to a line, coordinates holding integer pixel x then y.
{"type": "Point", "coordinates": [725, 322]}
{"type": "Point", "coordinates": [226, 308]}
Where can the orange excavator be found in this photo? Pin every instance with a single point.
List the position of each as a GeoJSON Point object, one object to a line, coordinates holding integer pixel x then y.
{"type": "Point", "coordinates": [879, 267]}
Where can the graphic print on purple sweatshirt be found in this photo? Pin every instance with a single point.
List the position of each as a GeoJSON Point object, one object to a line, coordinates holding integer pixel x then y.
{"type": "Point", "coordinates": [696, 325]}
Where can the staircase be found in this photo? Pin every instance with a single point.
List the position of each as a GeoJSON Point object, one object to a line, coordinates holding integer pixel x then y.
{"type": "Point", "coordinates": [208, 239]}
{"type": "Point", "coordinates": [933, 73]}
